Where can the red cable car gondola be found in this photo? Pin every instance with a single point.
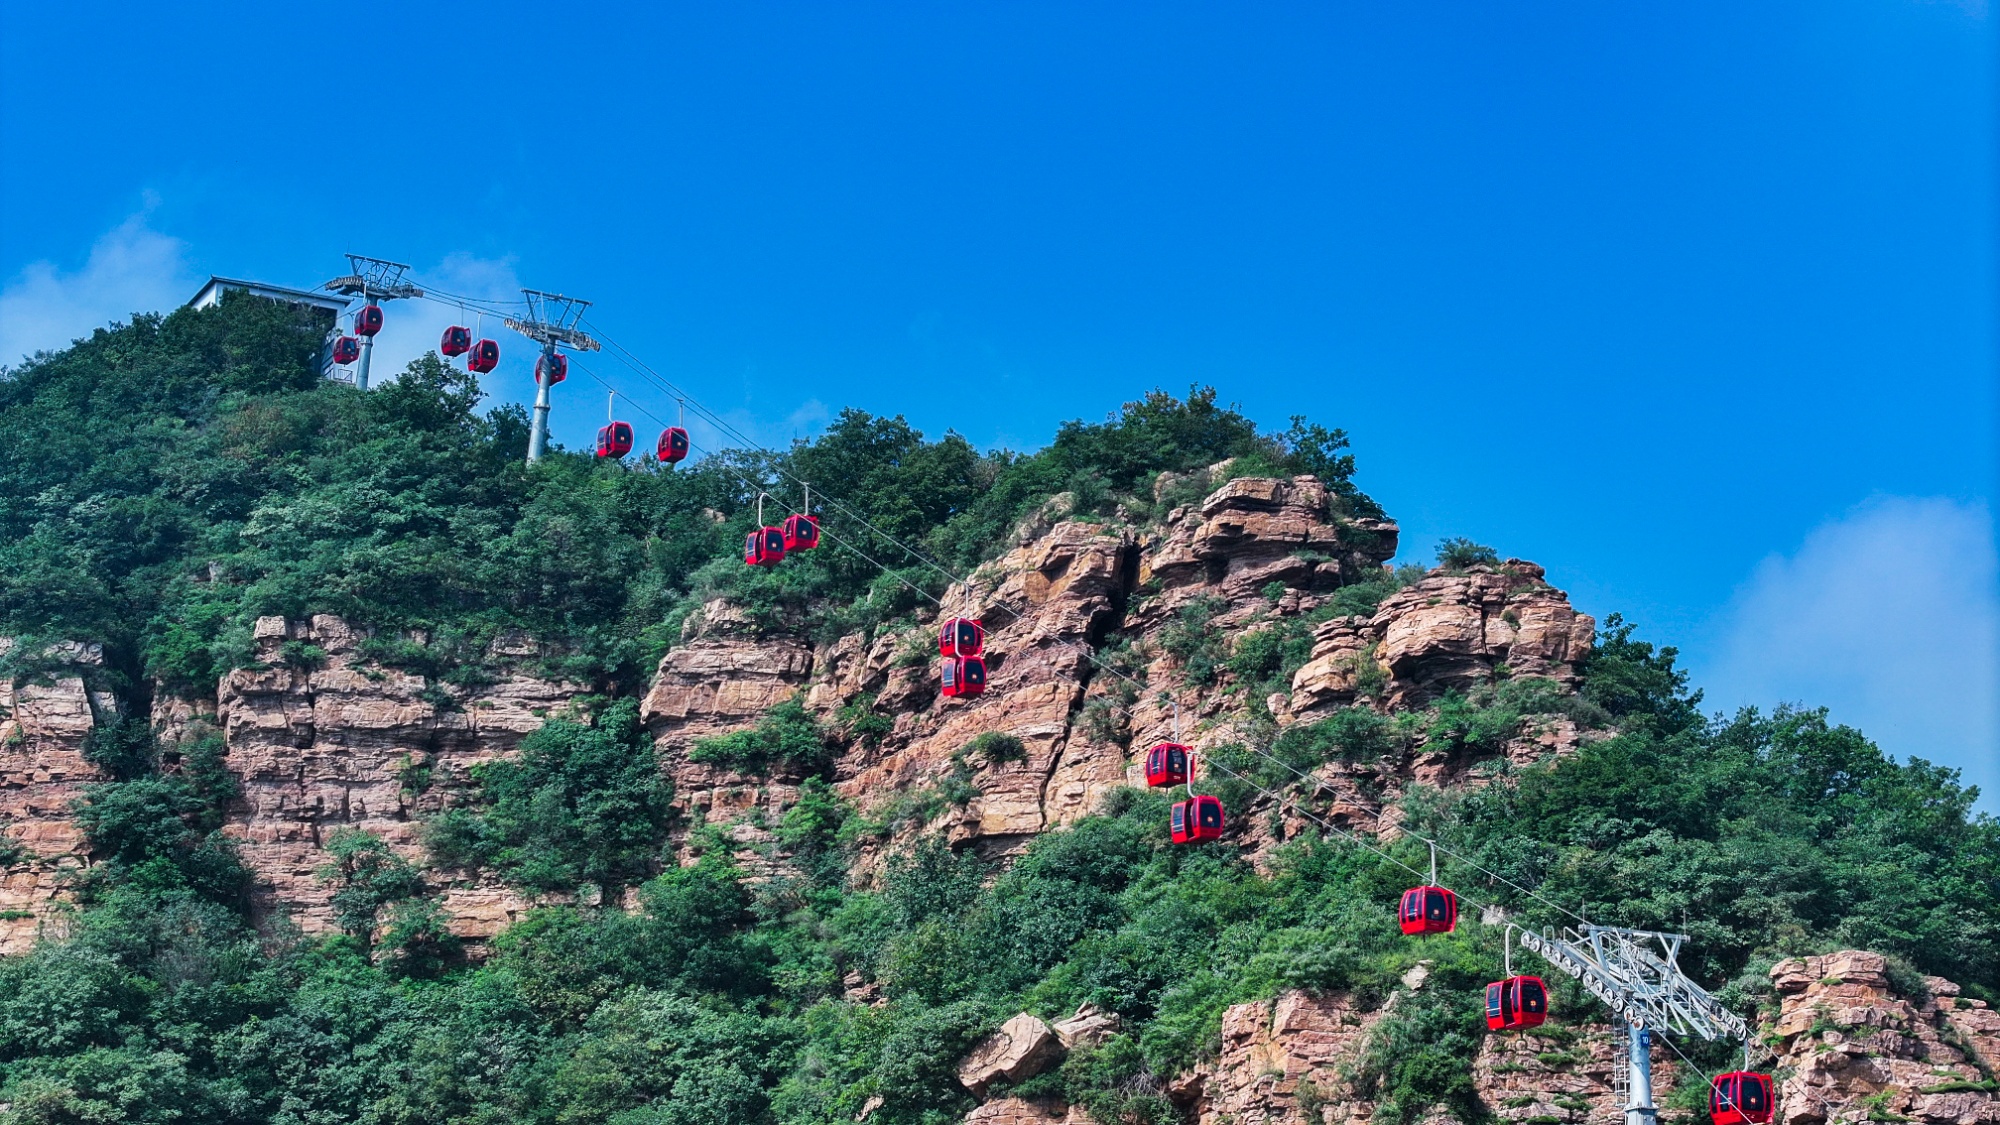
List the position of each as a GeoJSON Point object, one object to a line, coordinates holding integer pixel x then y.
{"type": "Point", "coordinates": [1167, 764]}
{"type": "Point", "coordinates": [1428, 910]}
{"type": "Point", "coordinates": [801, 532]}
{"type": "Point", "coordinates": [1197, 819]}
{"type": "Point", "coordinates": [1740, 1096]}
{"type": "Point", "coordinates": [457, 340]}
{"type": "Point", "coordinates": [1516, 1003]}
{"type": "Point", "coordinates": [347, 349]}
{"type": "Point", "coordinates": [555, 368]}
{"type": "Point", "coordinates": [961, 636]}
{"type": "Point", "coordinates": [484, 357]}
{"type": "Point", "coordinates": [614, 439]}
{"type": "Point", "coordinates": [673, 445]}
{"type": "Point", "coordinates": [368, 321]}
{"type": "Point", "coordinates": [764, 547]}
{"type": "Point", "coordinates": [964, 675]}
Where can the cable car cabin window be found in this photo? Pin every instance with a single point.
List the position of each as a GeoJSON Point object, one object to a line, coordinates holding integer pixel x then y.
{"type": "Point", "coordinates": [1180, 822]}
{"type": "Point", "coordinates": [673, 444]}
{"type": "Point", "coordinates": [1208, 814]}
{"type": "Point", "coordinates": [801, 533]}
{"type": "Point", "coordinates": [1499, 1006]}
{"type": "Point", "coordinates": [1533, 1000]}
{"type": "Point", "coordinates": [961, 636]}
{"type": "Point", "coordinates": [1166, 764]}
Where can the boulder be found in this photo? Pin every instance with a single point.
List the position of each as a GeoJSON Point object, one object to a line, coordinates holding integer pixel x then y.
{"type": "Point", "coordinates": [1020, 1111]}
{"type": "Point", "coordinates": [1089, 1025]}
{"type": "Point", "coordinates": [1022, 1048]}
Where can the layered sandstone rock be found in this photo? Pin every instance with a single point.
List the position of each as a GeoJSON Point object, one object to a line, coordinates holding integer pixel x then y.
{"type": "Point", "coordinates": [43, 723]}
{"type": "Point", "coordinates": [724, 678]}
{"type": "Point", "coordinates": [1253, 531]}
{"type": "Point", "coordinates": [1854, 1049]}
{"type": "Point", "coordinates": [1253, 554]}
{"type": "Point", "coordinates": [343, 743]}
{"type": "Point", "coordinates": [324, 739]}
{"type": "Point", "coordinates": [1448, 632]}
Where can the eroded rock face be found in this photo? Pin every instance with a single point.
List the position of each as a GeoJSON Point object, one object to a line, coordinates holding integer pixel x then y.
{"type": "Point", "coordinates": [344, 743]}
{"type": "Point", "coordinates": [1855, 1049]}
{"type": "Point", "coordinates": [1253, 531]}
{"type": "Point", "coordinates": [43, 723]}
{"type": "Point", "coordinates": [347, 744]}
{"type": "Point", "coordinates": [725, 678]}
{"type": "Point", "coordinates": [1252, 555]}
{"type": "Point", "coordinates": [1448, 632]}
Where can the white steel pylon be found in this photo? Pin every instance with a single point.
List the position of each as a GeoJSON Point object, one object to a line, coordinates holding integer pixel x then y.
{"type": "Point", "coordinates": [1636, 974]}
{"type": "Point", "coordinates": [373, 280]}
{"type": "Point", "coordinates": [552, 320]}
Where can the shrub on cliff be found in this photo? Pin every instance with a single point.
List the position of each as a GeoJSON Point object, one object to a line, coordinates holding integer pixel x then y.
{"type": "Point", "coordinates": [787, 734]}
{"type": "Point", "coordinates": [581, 804]}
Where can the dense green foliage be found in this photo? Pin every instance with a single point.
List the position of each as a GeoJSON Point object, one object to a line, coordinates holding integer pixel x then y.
{"type": "Point", "coordinates": [168, 481]}
{"type": "Point", "coordinates": [787, 734]}
{"type": "Point", "coordinates": [224, 481]}
{"type": "Point", "coordinates": [579, 805]}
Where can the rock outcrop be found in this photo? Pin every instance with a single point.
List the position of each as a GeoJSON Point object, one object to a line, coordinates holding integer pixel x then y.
{"type": "Point", "coordinates": [341, 742]}
{"type": "Point", "coordinates": [1448, 632]}
{"type": "Point", "coordinates": [1855, 1049]}
{"type": "Point", "coordinates": [1022, 1048]}
{"type": "Point", "coordinates": [1851, 1049]}
{"type": "Point", "coordinates": [323, 738]}
{"type": "Point", "coordinates": [44, 720]}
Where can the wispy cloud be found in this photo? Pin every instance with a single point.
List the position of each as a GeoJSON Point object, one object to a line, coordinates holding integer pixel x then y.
{"type": "Point", "coordinates": [1890, 617]}
{"type": "Point", "coordinates": [132, 268]}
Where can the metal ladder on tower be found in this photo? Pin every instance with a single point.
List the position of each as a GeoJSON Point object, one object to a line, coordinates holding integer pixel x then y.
{"type": "Point", "coordinates": [1621, 1069]}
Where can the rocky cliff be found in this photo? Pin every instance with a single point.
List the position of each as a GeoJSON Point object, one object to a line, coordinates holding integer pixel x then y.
{"type": "Point", "coordinates": [1080, 616]}
{"type": "Point", "coordinates": [323, 738]}
{"type": "Point", "coordinates": [1104, 635]}
{"type": "Point", "coordinates": [44, 719]}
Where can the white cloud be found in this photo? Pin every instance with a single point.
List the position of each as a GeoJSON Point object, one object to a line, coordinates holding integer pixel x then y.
{"type": "Point", "coordinates": [133, 268]}
{"type": "Point", "coordinates": [1888, 616]}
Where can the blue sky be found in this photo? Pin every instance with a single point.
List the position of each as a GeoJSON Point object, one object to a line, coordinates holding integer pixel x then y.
{"type": "Point", "coordinates": [1692, 303]}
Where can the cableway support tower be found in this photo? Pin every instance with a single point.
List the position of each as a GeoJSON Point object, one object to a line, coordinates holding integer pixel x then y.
{"type": "Point", "coordinates": [1636, 974]}
{"type": "Point", "coordinates": [373, 280]}
{"type": "Point", "coordinates": [552, 321]}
